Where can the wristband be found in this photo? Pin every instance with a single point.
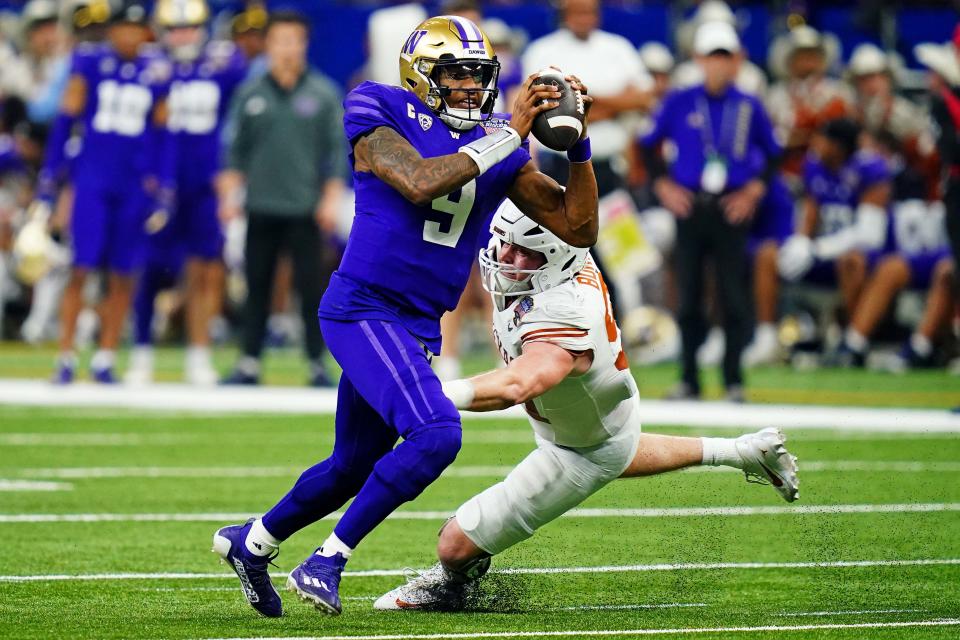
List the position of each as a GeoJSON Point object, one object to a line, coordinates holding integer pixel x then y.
{"type": "Point", "coordinates": [492, 148]}
{"type": "Point", "coordinates": [461, 392]}
{"type": "Point", "coordinates": [580, 152]}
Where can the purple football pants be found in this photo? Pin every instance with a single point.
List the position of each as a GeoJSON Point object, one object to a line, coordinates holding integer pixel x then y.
{"type": "Point", "coordinates": [387, 391]}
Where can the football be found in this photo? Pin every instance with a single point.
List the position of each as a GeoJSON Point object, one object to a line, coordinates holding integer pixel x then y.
{"type": "Point", "coordinates": [560, 128]}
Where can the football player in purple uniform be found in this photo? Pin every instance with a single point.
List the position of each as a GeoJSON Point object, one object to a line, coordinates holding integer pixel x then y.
{"type": "Point", "coordinates": [204, 76]}
{"type": "Point", "coordinates": [115, 100]}
{"type": "Point", "coordinates": [845, 217]}
{"type": "Point", "coordinates": [431, 164]}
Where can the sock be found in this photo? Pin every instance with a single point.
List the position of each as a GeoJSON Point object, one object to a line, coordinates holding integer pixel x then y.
{"type": "Point", "coordinates": [921, 345]}
{"type": "Point", "coordinates": [766, 332]}
{"type": "Point", "coordinates": [249, 365]}
{"type": "Point", "coordinates": [198, 357]}
{"type": "Point", "coordinates": [103, 359]}
{"type": "Point", "coordinates": [141, 357]}
{"type": "Point", "coordinates": [855, 340]}
{"type": "Point", "coordinates": [259, 542]}
{"type": "Point", "coordinates": [67, 359]}
{"type": "Point", "coordinates": [721, 452]}
{"type": "Point", "coordinates": [334, 545]}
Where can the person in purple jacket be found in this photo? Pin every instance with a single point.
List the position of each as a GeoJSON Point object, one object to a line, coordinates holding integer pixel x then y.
{"type": "Point", "coordinates": [431, 164]}
{"type": "Point", "coordinates": [204, 77]}
{"type": "Point", "coordinates": [114, 102]}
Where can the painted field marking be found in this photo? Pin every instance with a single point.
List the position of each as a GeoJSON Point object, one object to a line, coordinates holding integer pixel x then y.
{"type": "Point", "coordinates": [33, 485]}
{"type": "Point", "coordinates": [463, 471]}
{"type": "Point", "coordinates": [945, 622]}
{"type": "Point", "coordinates": [67, 439]}
{"type": "Point", "coordinates": [293, 400]}
{"type": "Point", "coordinates": [629, 607]}
{"type": "Point", "coordinates": [847, 613]}
{"type": "Point", "coordinates": [633, 568]}
{"type": "Point", "coordinates": [665, 512]}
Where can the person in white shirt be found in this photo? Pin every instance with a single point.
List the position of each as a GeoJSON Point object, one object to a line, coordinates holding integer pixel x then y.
{"type": "Point", "coordinates": [610, 65]}
{"type": "Point", "coordinates": [553, 325]}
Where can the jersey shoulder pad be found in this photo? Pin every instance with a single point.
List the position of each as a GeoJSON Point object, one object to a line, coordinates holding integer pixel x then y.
{"type": "Point", "coordinates": [371, 105]}
{"type": "Point", "coordinates": [85, 56]}
{"type": "Point", "coordinates": [157, 67]}
{"type": "Point", "coordinates": [562, 307]}
{"type": "Point", "coordinates": [871, 167]}
{"type": "Point", "coordinates": [220, 51]}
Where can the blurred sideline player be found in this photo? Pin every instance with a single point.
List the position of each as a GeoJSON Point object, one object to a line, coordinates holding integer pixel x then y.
{"type": "Point", "coordinates": [919, 259]}
{"type": "Point", "coordinates": [845, 217]}
{"type": "Point", "coordinates": [427, 182]}
{"type": "Point", "coordinates": [116, 92]}
{"type": "Point", "coordinates": [557, 335]}
{"type": "Point", "coordinates": [204, 76]}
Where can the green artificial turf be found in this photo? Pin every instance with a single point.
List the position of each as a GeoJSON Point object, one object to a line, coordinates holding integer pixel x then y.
{"type": "Point", "coordinates": [179, 464]}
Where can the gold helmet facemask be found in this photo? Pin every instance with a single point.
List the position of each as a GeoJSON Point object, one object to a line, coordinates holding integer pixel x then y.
{"type": "Point", "coordinates": [174, 14]}
{"type": "Point", "coordinates": [450, 47]}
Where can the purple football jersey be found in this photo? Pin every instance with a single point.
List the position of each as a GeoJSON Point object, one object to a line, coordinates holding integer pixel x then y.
{"type": "Point", "coordinates": [200, 94]}
{"type": "Point", "coordinates": [838, 194]}
{"type": "Point", "coordinates": [119, 141]}
{"type": "Point", "coordinates": [406, 262]}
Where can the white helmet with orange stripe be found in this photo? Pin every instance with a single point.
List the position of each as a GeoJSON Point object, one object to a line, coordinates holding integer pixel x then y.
{"type": "Point", "coordinates": [510, 226]}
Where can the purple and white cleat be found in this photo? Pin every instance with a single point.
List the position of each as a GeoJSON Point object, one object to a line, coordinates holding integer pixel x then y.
{"type": "Point", "coordinates": [317, 580]}
{"type": "Point", "coordinates": [228, 543]}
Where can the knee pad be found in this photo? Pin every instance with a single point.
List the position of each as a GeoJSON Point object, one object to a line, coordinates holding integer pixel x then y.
{"type": "Point", "coordinates": [420, 459]}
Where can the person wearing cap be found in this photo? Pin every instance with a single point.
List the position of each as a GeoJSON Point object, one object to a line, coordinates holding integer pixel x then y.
{"type": "Point", "coordinates": [725, 157]}
{"type": "Point", "coordinates": [750, 78]}
{"type": "Point", "coordinates": [806, 98]}
{"type": "Point", "coordinates": [878, 107]}
{"type": "Point", "coordinates": [45, 57]}
{"type": "Point", "coordinates": [115, 96]}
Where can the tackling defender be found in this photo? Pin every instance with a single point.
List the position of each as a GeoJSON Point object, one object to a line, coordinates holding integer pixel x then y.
{"type": "Point", "coordinates": [556, 333]}
{"type": "Point", "coordinates": [427, 182]}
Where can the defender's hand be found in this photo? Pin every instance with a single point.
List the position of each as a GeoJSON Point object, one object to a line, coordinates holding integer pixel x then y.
{"type": "Point", "coordinates": [532, 100]}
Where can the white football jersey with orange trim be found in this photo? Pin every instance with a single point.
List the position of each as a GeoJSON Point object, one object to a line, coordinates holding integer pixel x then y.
{"type": "Point", "coordinates": [582, 410]}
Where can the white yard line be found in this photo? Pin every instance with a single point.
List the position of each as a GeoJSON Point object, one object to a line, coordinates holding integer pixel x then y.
{"type": "Point", "coordinates": [846, 613]}
{"type": "Point", "coordinates": [946, 622]}
{"type": "Point", "coordinates": [461, 471]}
{"type": "Point", "coordinates": [633, 568]}
{"type": "Point", "coordinates": [629, 607]}
{"type": "Point", "coordinates": [93, 439]}
{"type": "Point", "coordinates": [292, 400]}
{"type": "Point", "coordinates": [666, 512]}
{"type": "Point", "coordinates": [33, 485]}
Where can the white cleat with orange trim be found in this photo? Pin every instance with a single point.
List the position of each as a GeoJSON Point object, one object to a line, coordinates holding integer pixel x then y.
{"type": "Point", "coordinates": [432, 589]}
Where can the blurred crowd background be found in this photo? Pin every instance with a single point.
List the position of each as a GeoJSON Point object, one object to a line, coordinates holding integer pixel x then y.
{"type": "Point", "coordinates": [839, 80]}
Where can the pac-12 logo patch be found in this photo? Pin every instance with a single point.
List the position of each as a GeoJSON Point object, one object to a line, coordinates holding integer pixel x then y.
{"type": "Point", "coordinates": [425, 121]}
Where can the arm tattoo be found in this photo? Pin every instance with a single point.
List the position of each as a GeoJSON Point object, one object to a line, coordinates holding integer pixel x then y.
{"type": "Point", "coordinates": [394, 160]}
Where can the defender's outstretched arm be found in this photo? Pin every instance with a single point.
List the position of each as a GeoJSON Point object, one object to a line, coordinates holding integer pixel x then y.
{"type": "Point", "coordinates": [541, 367]}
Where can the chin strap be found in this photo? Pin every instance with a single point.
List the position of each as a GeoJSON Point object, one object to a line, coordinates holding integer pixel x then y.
{"type": "Point", "coordinates": [492, 148]}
